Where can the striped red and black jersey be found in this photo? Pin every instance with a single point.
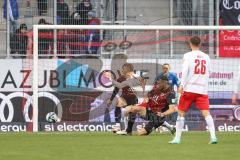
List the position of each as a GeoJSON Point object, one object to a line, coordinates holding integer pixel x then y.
{"type": "Point", "coordinates": [127, 92]}
{"type": "Point", "coordinates": [159, 102]}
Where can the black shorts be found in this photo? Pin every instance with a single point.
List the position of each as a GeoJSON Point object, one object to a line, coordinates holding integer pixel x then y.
{"type": "Point", "coordinates": [154, 121]}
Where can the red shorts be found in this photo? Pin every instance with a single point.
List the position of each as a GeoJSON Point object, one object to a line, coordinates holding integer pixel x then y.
{"type": "Point", "coordinates": [188, 98]}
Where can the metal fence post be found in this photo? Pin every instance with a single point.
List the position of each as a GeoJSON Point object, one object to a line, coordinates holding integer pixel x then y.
{"type": "Point", "coordinates": [217, 24]}
{"type": "Point", "coordinates": [171, 32]}
{"type": "Point", "coordinates": [55, 31]}
{"type": "Point", "coordinates": [8, 29]}
{"type": "Point", "coordinates": [211, 22]}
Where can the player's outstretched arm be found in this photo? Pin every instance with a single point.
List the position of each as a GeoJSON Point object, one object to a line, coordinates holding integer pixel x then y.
{"type": "Point", "coordinates": [132, 82]}
{"type": "Point", "coordinates": [172, 109]}
{"type": "Point", "coordinates": [129, 82]}
{"type": "Point", "coordinates": [135, 81]}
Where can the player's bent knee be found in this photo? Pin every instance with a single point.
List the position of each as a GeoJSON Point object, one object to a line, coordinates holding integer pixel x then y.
{"type": "Point", "coordinates": [175, 109]}
{"type": "Point", "coordinates": [205, 113]}
{"type": "Point", "coordinates": [121, 102]}
{"type": "Point", "coordinates": [181, 113]}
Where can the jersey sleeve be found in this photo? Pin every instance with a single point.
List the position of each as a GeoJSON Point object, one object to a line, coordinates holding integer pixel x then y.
{"type": "Point", "coordinates": [184, 71]}
{"type": "Point", "coordinates": [176, 81]}
{"type": "Point", "coordinates": [129, 82]}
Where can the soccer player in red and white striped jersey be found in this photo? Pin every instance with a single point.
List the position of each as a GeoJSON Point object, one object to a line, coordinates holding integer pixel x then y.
{"type": "Point", "coordinates": [194, 88]}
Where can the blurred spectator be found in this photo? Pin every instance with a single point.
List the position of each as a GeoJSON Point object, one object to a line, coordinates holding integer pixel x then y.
{"type": "Point", "coordinates": [93, 36]}
{"type": "Point", "coordinates": [75, 37]}
{"type": "Point", "coordinates": [192, 12]}
{"type": "Point", "coordinates": [61, 43]}
{"type": "Point", "coordinates": [116, 8]}
{"type": "Point", "coordinates": [185, 12]}
{"type": "Point", "coordinates": [42, 7]}
{"type": "Point", "coordinates": [45, 41]}
{"type": "Point", "coordinates": [75, 19]}
{"type": "Point", "coordinates": [82, 9]}
{"type": "Point", "coordinates": [76, 41]}
{"type": "Point", "coordinates": [19, 40]}
{"type": "Point", "coordinates": [13, 13]}
{"type": "Point", "coordinates": [43, 21]}
{"type": "Point", "coordinates": [62, 12]}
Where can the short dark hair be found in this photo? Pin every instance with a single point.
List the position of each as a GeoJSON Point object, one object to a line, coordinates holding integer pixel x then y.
{"type": "Point", "coordinates": [195, 40]}
{"type": "Point", "coordinates": [42, 21]}
{"type": "Point", "coordinates": [23, 26]}
{"type": "Point", "coordinates": [129, 66]}
{"type": "Point", "coordinates": [166, 64]}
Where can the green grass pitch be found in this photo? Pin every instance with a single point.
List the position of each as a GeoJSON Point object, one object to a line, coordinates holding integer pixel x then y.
{"type": "Point", "coordinates": [107, 146]}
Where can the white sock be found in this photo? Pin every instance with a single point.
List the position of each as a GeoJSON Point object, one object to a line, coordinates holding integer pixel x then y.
{"type": "Point", "coordinates": [125, 118]}
{"type": "Point", "coordinates": [211, 127]}
{"type": "Point", "coordinates": [179, 127]}
{"type": "Point", "coordinates": [125, 122]}
{"type": "Point", "coordinates": [166, 124]}
{"type": "Point", "coordinates": [118, 125]}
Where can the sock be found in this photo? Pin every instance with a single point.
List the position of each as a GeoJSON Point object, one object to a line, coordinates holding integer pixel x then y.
{"type": "Point", "coordinates": [167, 125]}
{"type": "Point", "coordinates": [117, 114]}
{"type": "Point", "coordinates": [179, 127]}
{"type": "Point", "coordinates": [125, 122]}
{"type": "Point", "coordinates": [211, 127]}
{"type": "Point", "coordinates": [131, 120]}
{"type": "Point", "coordinates": [125, 119]}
